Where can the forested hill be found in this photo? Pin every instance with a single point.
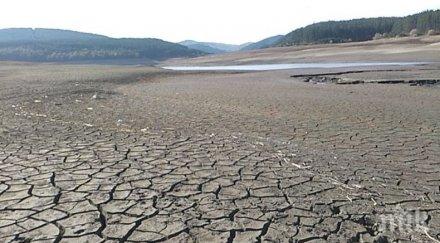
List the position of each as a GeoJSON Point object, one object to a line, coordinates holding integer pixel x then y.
{"type": "Point", "coordinates": [63, 45]}
{"type": "Point", "coordinates": [427, 22]}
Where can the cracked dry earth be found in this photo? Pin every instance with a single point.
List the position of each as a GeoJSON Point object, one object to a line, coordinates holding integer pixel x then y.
{"type": "Point", "coordinates": [220, 157]}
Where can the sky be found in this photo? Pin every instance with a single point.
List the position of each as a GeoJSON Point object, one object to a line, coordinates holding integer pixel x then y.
{"type": "Point", "coordinates": [227, 21]}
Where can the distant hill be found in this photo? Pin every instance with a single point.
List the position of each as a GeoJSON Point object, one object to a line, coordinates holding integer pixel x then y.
{"type": "Point", "coordinates": [205, 48]}
{"type": "Point", "coordinates": [263, 43]}
{"type": "Point", "coordinates": [24, 44]}
{"type": "Point", "coordinates": [216, 47]}
{"type": "Point", "coordinates": [363, 29]}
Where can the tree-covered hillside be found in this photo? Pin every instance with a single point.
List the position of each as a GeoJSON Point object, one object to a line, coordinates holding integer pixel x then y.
{"type": "Point", "coordinates": [422, 22]}
{"type": "Point", "coordinates": [63, 45]}
{"type": "Point", "coordinates": [363, 29]}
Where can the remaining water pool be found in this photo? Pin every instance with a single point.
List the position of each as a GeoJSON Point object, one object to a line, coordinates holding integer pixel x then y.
{"type": "Point", "coordinates": [266, 67]}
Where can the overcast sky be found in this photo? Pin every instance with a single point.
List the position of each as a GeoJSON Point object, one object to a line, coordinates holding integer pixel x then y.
{"type": "Point", "coordinates": [229, 21]}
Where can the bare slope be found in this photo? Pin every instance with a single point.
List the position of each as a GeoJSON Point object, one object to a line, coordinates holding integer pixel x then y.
{"type": "Point", "coordinates": [397, 49]}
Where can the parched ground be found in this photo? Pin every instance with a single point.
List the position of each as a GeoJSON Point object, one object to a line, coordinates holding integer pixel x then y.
{"type": "Point", "coordinates": [133, 154]}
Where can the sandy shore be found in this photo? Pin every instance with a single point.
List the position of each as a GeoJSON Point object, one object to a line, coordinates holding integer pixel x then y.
{"type": "Point", "coordinates": [92, 153]}
{"type": "Point", "coordinates": [409, 49]}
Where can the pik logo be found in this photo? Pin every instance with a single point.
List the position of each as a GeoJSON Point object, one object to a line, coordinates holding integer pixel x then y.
{"type": "Point", "coordinates": [405, 221]}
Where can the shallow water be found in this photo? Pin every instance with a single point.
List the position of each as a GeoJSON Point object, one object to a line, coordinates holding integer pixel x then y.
{"type": "Point", "coordinates": [266, 67]}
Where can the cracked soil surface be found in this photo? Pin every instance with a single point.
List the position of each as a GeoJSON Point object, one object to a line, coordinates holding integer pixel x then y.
{"type": "Point", "coordinates": [106, 154]}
